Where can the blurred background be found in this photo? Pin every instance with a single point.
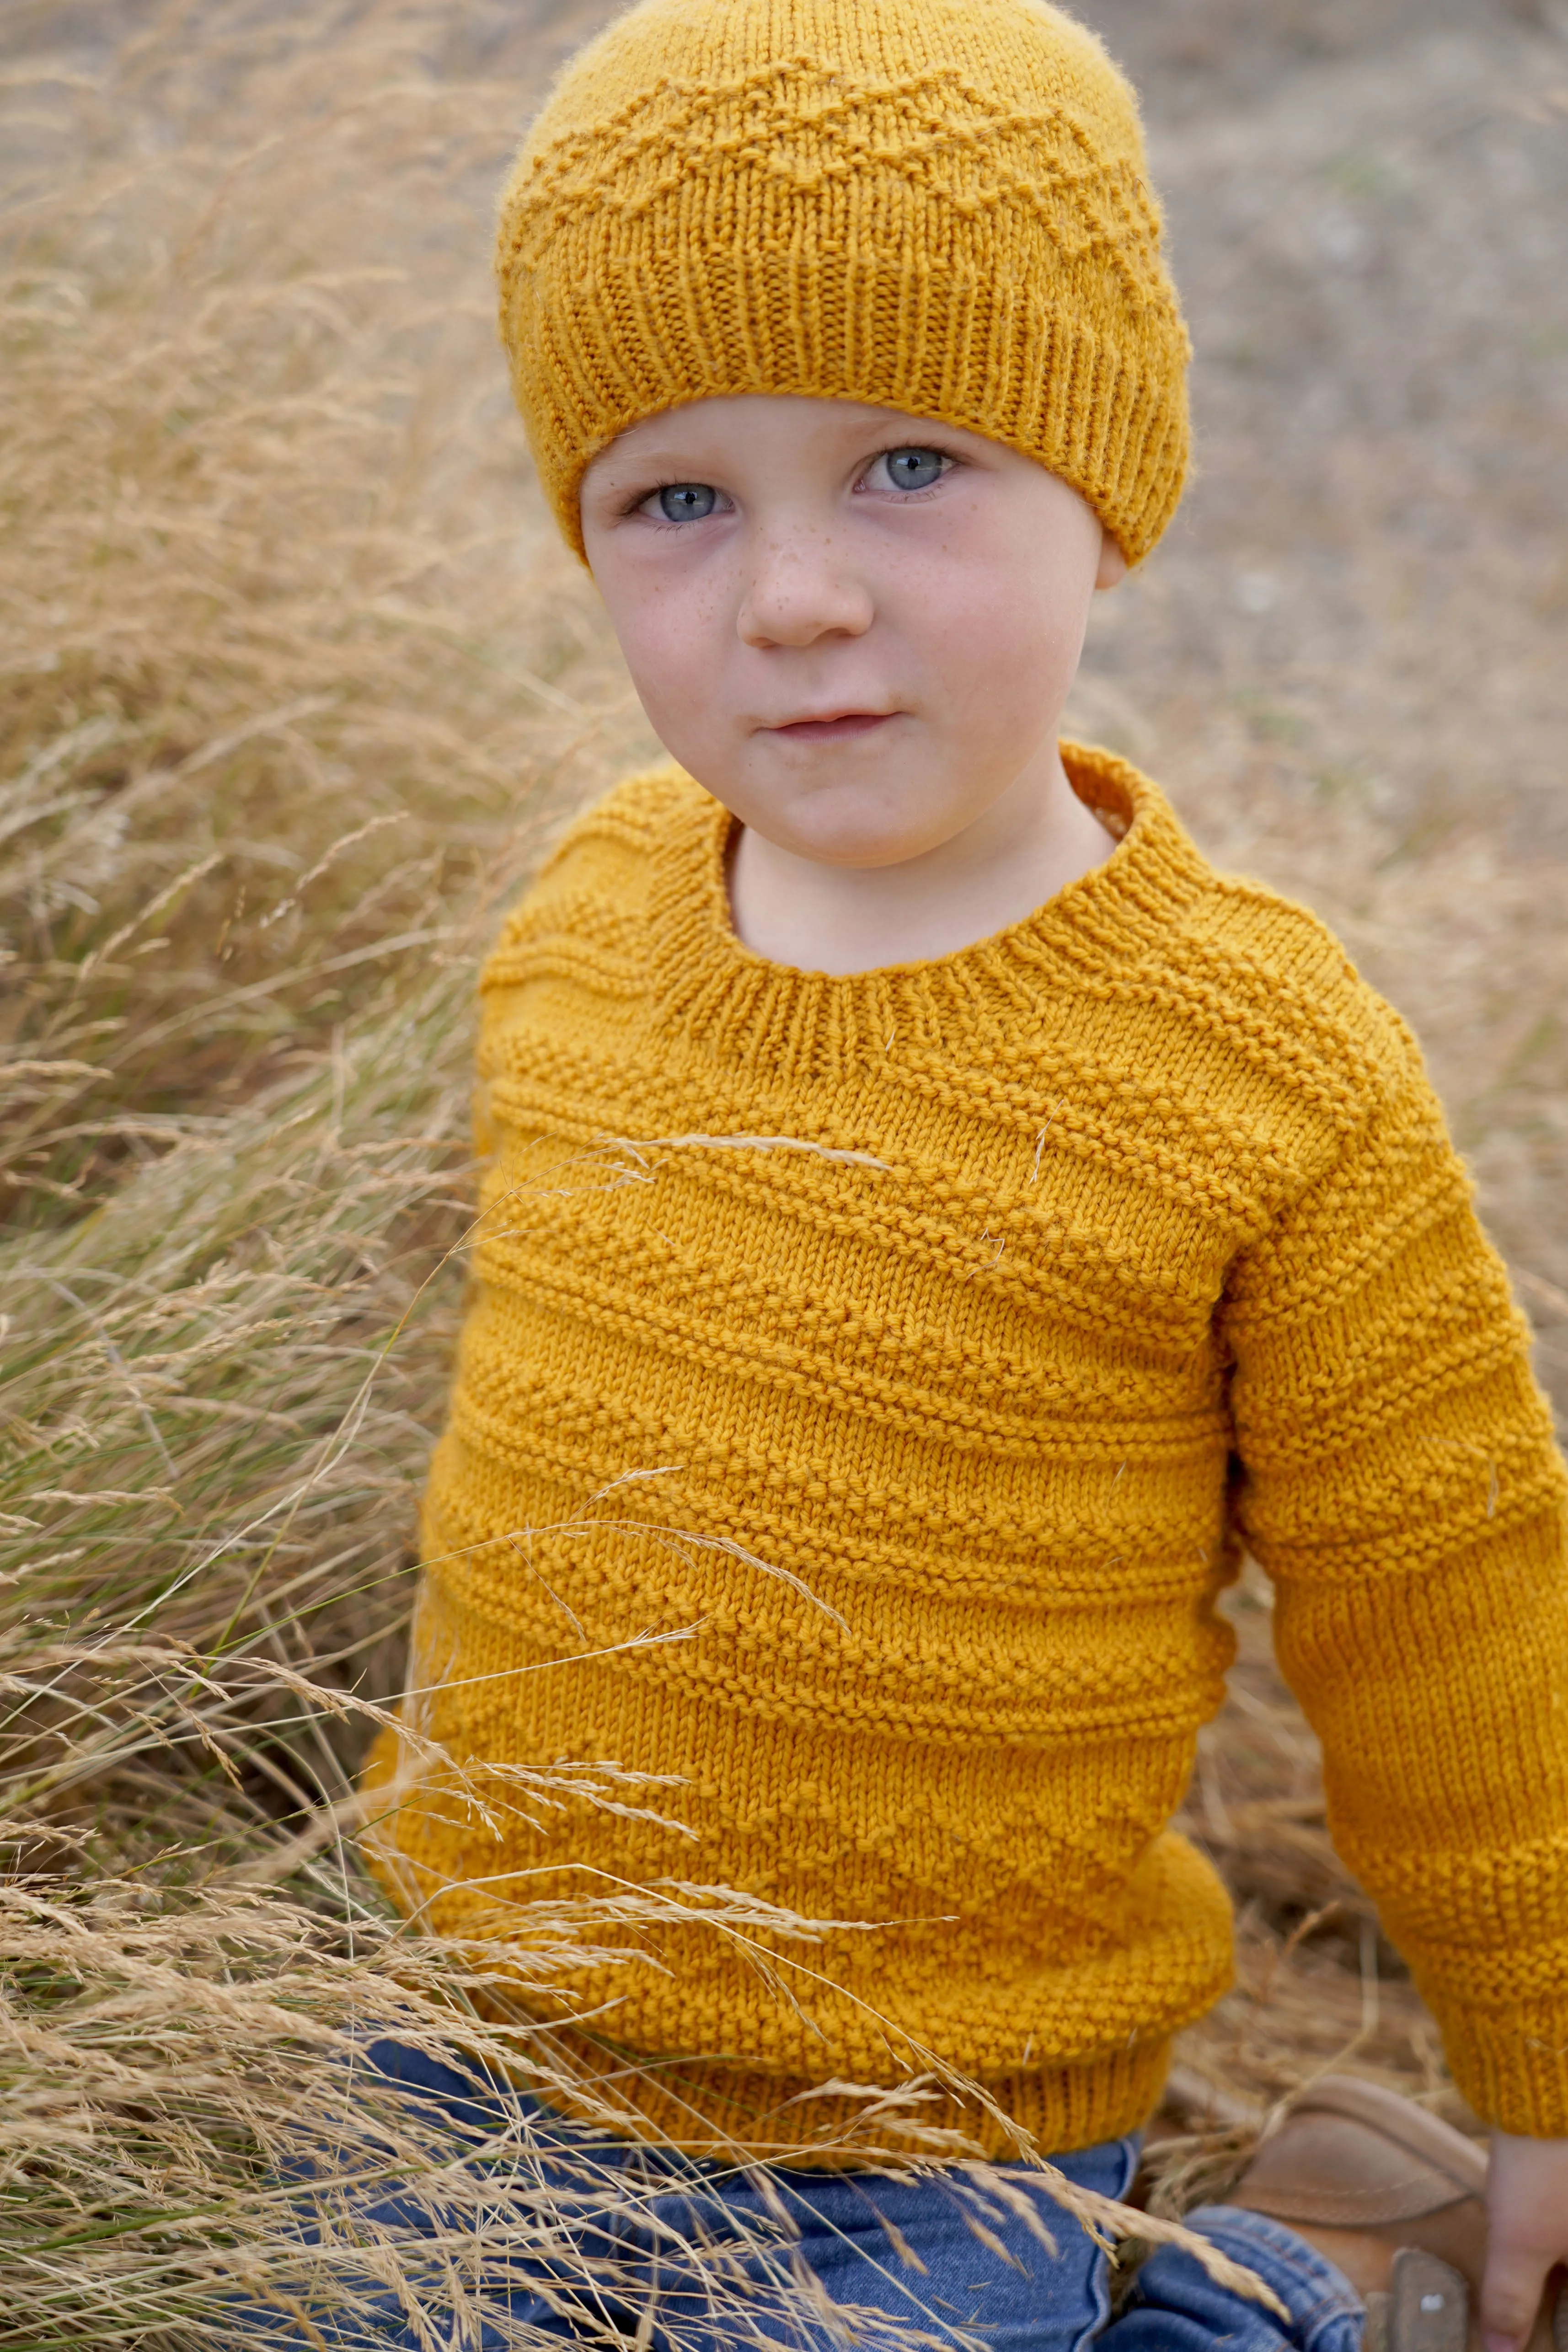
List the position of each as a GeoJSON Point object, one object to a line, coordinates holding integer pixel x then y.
{"type": "Point", "coordinates": [295, 680]}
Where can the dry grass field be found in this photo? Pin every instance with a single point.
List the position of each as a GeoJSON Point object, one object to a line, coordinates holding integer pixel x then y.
{"type": "Point", "coordinates": [294, 680]}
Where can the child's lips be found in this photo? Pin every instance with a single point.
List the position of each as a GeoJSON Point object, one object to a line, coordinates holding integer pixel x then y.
{"type": "Point", "coordinates": [835, 728]}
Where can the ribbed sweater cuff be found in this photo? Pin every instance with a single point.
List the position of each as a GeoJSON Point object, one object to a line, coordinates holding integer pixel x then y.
{"type": "Point", "coordinates": [1512, 2066]}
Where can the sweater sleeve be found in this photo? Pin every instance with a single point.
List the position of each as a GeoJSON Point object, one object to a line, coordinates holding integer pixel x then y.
{"type": "Point", "coordinates": [1400, 1484]}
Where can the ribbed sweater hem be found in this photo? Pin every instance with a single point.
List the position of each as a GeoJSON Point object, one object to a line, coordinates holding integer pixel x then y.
{"type": "Point", "coordinates": [733, 2113]}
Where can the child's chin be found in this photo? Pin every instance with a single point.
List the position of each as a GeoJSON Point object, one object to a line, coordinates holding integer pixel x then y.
{"type": "Point", "coordinates": [843, 835]}
{"type": "Point", "coordinates": [861, 849]}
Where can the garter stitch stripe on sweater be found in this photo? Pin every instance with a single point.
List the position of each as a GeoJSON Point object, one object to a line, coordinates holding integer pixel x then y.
{"type": "Point", "coordinates": [940, 207]}
{"type": "Point", "coordinates": [1074, 1261]}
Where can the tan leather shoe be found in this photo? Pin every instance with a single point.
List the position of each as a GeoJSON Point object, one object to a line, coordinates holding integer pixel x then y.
{"type": "Point", "coordinates": [1396, 2201]}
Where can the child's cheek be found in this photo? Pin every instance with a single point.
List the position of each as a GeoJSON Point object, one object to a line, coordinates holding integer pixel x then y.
{"type": "Point", "coordinates": [1003, 646]}
{"type": "Point", "coordinates": [680, 654]}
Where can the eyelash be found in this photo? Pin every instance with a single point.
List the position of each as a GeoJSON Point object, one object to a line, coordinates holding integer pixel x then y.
{"type": "Point", "coordinates": [905, 497]}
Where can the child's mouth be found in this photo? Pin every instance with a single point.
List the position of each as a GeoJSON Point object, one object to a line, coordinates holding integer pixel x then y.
{"type": "Point", "coordinates": [834, 729]}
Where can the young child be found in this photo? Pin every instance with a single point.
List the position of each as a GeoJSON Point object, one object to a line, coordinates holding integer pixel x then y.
{"type": "Point", "coordinates": [934, 1223]}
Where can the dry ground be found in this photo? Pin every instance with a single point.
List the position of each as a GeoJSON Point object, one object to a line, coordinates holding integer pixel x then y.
{"type": "Point", "coordinates": [293, 681]}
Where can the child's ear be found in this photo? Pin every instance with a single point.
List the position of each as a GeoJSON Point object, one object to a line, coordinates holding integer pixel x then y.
{"type": "Point", "coordinates": [1112, 564]}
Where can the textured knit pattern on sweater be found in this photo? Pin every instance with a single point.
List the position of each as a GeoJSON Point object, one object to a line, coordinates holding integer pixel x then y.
{"type": "Point", "coordinates": [951, 1327]}
{"type": "Point", "coordinates": [940, 206]}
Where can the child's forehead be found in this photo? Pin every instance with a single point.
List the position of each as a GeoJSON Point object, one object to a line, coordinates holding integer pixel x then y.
{"type": "Point", "coordinates": [741, 420]}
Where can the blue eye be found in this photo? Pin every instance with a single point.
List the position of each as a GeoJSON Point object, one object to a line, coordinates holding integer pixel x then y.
{"type": "Point", "coordinates": [913, 469]}
{"type": "Point", "coordinates": [687, 501]}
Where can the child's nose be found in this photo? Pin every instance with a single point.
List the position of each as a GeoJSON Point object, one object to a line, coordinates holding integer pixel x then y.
{"type": "Point", "coordinates": [799, 591]}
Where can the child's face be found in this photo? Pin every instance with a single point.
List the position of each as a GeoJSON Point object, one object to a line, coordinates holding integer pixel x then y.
{"type": "Point", "coordinates": [855, 629]}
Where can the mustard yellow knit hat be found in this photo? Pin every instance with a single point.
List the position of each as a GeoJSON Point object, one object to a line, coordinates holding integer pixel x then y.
{"type": "Point", "coordinates": [934, 205]}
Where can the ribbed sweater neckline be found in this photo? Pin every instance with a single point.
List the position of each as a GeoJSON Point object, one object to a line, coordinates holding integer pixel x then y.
{"type": "Point", "coordinates": [737, 1006]}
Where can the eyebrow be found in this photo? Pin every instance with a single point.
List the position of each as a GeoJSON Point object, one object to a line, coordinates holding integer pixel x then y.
{"type": "Point", "coordinates": [687, 467]}
{"type": "Point", "coordinates": [641, 461]}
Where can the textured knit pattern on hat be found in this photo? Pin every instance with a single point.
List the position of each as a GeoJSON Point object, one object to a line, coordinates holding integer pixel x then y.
{"type": "Point", "coordinates": [935, 205]}
{"type": "Point", "coordinates": [924, 1319]}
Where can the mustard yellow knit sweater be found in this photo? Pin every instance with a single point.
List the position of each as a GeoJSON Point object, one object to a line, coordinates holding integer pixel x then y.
{"type": "Point", "coordinates": [949, 1329]}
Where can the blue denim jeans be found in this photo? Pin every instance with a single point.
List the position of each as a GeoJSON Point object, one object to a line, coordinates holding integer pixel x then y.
{"type": "Point", "coordinates": [939, 2259]}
